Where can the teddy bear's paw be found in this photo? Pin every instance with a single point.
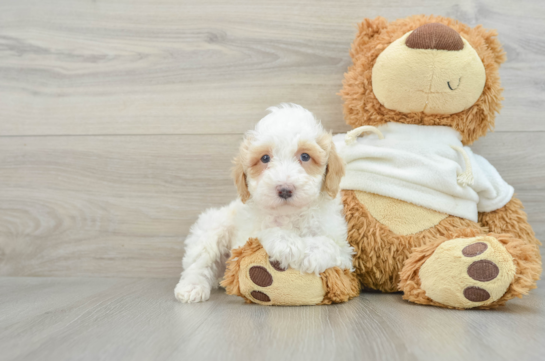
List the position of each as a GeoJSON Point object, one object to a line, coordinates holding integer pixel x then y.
{"type": "Point", "coordinates": [253, 275]}
{"type": "Point", "coordinates": [468, 272]}
{"type": "Point", "coordinates": [265, 282]}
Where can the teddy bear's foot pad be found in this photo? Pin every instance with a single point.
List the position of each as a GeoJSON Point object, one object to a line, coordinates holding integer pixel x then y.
{"type": "Point", "coordinates": [468, 272]}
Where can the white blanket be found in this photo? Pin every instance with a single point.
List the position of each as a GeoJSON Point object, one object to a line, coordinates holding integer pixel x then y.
{"type": "Point", "coordinates": [417, 164]}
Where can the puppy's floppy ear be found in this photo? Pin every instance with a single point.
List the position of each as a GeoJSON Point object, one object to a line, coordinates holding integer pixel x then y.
{"type": "Point", "coordinates": [240, 179]}
{"type": "Point", "coordinates": [334, 169]}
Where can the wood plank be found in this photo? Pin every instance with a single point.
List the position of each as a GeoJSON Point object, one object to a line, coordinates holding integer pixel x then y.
{"type": "Point", "coordinates": [121, 205]}
{"type": "Point", "coordinates": [186, 67]}
{"type": "Point", "coordinates": [49, 316]}
{"type": "Point", "coordinates": [138, 319]}
{"type": "Point", "coordinates": [106, 205]}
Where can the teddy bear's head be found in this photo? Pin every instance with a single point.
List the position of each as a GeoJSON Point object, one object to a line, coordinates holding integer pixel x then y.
{"type": "Point", "coordinates": [427, 70]}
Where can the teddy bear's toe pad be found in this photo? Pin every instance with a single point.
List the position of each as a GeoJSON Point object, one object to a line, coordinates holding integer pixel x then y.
{"type": "Point", "coordinates": [468, 272]}
{"type": "Point", "coordinates": [260, 276]}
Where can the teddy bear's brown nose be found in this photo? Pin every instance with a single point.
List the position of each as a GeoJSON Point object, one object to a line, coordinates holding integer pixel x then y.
{"type": "Point", "coordinates": [435, 36]}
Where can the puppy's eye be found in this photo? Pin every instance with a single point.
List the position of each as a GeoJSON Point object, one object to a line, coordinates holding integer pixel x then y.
{"type": "Point", "coordinates": [265, 159]}
{"type": "Point", "coordinates": [305, 157]}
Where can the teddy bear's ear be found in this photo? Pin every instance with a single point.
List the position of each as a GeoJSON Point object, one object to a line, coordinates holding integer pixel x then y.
{"type": "Point", "coordinates": [494, 45]}
{"type": "Point", "coordinates": [367, 30]}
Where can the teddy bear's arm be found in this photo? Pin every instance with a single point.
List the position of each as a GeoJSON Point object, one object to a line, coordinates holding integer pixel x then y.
{"type": "Point", "coordinates": [510, 218]}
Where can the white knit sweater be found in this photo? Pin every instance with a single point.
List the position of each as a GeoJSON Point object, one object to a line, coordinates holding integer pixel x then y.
{"type": "Point", "coordinates": [418, 164]}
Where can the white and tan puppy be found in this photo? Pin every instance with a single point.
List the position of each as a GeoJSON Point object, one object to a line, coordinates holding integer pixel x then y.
{"type": "Point", "coordinates": [287, 174]}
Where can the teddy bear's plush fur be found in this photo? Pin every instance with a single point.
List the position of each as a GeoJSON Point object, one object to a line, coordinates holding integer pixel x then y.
{"type": "Point", "coordinates": [390, 262]}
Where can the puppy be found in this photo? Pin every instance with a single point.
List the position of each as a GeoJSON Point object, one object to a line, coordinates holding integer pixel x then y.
{"type": "Point", "coordinates": [287, 174]}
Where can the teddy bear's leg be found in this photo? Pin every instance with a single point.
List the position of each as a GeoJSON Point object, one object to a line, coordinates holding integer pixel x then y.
{"type": "Point", "coordinates": [479, 271]}
{"type": "Point", "coordinates": [251, 275]}
{"type": "Point", "coordinates": [384, 231]}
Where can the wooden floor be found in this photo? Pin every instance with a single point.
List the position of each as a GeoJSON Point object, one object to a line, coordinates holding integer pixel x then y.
{"type": "Point", "coordinates": [138, 319]}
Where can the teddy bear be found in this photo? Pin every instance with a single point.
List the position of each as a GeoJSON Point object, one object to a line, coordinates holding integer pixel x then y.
{"type": "Point", "coordinates": [425, 215]}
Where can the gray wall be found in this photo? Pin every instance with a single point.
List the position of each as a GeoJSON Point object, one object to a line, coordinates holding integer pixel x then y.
{"type": "Point", "coordinates": [118, 121]}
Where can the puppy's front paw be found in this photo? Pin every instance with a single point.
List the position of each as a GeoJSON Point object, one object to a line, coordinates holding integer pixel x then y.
{"type": "Point", "coordinates": [320, 255]}
{"type": "Point", "coordinates": [283, 246]}
{"type": "Point", "coordinates": [286, 253]}
{"type": "Point", "coordinates": [316, 262]}
{"type": "Point", "coordinates": [187, 292]}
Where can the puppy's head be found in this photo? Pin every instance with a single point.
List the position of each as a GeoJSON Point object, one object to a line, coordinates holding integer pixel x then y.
{"type": "Point", "coordinates": [287, 161]}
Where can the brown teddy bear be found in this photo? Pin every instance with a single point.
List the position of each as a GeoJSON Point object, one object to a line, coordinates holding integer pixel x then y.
{"type": "Point", "coordinates": [425, 215]}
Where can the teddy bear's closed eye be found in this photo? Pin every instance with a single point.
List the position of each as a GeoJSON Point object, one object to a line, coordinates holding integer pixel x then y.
{"type": "Point", "coordinates": [454, 87]}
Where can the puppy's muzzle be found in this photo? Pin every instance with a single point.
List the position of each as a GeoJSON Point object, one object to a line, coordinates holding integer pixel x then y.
{"type": "Point", "coordinates": [284, 192]}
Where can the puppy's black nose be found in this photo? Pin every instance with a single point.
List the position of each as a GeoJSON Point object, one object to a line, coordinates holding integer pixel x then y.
{"type": "Point", "coordinates": [284, 193]}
